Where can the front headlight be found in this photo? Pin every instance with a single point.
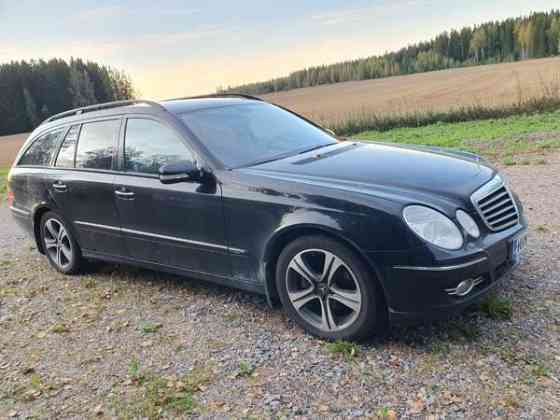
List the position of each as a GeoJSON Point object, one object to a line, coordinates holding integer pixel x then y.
{"type": "Point", "coordinates": [433, 227]}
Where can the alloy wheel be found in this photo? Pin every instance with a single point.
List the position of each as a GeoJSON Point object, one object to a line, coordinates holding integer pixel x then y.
{"type": "Point", "coordinates": [57, 243]}
{"type": "Point", "coordinates": [323, 289]}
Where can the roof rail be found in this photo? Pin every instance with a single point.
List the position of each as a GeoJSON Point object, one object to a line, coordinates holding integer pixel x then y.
{"type": "Point", "coordinates": [219, 95]}
{"type": "Point", "coordinates": [100, 107]}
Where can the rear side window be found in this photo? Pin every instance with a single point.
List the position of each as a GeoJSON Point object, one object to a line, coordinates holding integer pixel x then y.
{"type": "Point", "coordinates": [42, 149]}
{"type": "Point", "coordinates": [96, 144]}
{"type": "Point", "coordinates": [65, 157]}
{"type": "Point", "coordinates": [149, 145]}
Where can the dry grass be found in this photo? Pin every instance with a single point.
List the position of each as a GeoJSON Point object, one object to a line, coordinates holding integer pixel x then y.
{"type": "Point", "coordinates": [492, 85]}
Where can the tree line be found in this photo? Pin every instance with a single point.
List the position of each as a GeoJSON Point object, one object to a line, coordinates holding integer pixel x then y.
{"type": "Point", "coordinates": [534, 36]}
{"type": "Point", "coordinates": [31, 91]}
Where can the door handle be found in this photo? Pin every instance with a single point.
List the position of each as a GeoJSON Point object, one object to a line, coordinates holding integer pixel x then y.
{"type": "Point", "coordinates": [60, 187]}
{"type": "Point", "coordinates": [126, 195]}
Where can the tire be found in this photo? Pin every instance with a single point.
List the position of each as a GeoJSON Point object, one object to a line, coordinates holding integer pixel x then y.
{"type": "Point", "coordinates": [342, 302]}
{"type": "Point", "coordinates": [59, 244]}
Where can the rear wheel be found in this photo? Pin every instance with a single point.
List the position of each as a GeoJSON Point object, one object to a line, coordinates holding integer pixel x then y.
{"type": "Point", "coordinates": [328, 290]}
{"type": "Point", "coordinates": [60, 247]}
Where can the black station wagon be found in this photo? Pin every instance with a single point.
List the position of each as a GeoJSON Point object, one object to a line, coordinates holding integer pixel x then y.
{"type": "Point", "coordinates": [349, 236]}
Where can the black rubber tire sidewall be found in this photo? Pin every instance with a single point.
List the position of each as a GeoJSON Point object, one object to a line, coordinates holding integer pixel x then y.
{"type": "Point", "coordinates": [365, 324]}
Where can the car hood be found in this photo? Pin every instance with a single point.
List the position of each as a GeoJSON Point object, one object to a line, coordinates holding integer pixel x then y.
{"type": "Point", "coordinates": [369, 167]}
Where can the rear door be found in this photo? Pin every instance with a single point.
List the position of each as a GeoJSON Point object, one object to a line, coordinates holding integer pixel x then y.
{"type": "Point", "coordinates": [83, 185]}
{"type": "Point", "coordinates": [177, 225]}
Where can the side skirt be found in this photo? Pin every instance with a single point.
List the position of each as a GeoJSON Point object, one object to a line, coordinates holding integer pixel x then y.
{"type": "Point", "coordinates": [223, 281]}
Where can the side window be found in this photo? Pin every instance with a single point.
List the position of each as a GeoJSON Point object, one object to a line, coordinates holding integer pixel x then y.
{"type": "Point", "coordinates": [65, 157]}
{"type": "Point", "coordinates": [149, 145]}
{"type": "Point", "coordinates": [96, 144]}
{"type": "Point", "coordinates": [41, 150]}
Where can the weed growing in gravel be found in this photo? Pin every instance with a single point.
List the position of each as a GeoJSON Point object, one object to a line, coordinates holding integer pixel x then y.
{"type": "Point", "coordinates": [462, 330]}
{"type": "Point", "coordinates": [156, 396]}
{"type": "Point", "coordinates": [541, 228]}
{"type": "Point", "coordinates": [245, 369]}
{"type": "Point", "coordinates": [496, 307]}
{"type": "Point", "coordinates": [149, 327]}
{"type": "Point", "coordinates": [348, 350]}
{"type": "Point", "coordinates": [88, 283]}
{"type": "Point", "coordinates": [59, 329]}
{"type": "Point", "coordinates": [539, 370]}
{"type": "Point", "coordinates": [440, 347]}
{"type": "Point", "coordinates": [386, 413]}
{"type": "Point", "coordinates": [509, 161]}
{"type": "Point", "coordinates": [134, 371]}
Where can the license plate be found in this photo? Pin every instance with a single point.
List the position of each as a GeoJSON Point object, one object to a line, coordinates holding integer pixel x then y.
{"type": "Point", "coordinates": [517, 247]}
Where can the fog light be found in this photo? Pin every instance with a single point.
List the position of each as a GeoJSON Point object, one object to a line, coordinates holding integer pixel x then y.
{"type": "Point", "coordinates": [465, 287]}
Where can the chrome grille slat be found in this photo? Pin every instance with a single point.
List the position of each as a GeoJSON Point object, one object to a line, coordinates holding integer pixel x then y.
{"type": "Point", "coordinates": [492, 217]}
{"type": "Point", "coordinates": [509, 224]}
{"type": "Point", "coordinates": [501, 219]}
{"type": "Point", "coordinates": [495, 205]}
{"type": "Point", "coordinates": [504, 194]}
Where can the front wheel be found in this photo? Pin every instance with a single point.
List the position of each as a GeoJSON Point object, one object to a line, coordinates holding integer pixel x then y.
{"type": "Point", "coordinates": [328, 290]}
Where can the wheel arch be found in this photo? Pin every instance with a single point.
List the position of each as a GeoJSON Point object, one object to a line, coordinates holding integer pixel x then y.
{"type": "Point", "coordinates": [37, 215]}
{"type": "Point", "coordinates": [282, 238]}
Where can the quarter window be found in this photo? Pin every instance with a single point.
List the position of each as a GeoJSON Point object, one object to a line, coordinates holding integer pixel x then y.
{"type": "Point", "coordinates": [150, 145]}
{"type": "Point", "coordinates": [65, 157]}
{"type": "Point", "coordinates": [96, 144]}
{"type": "Point", "coordinates": [42, 149]}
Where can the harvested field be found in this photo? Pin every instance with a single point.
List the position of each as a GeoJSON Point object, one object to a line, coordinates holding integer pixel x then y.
{"type": "Point", "coordinates": [9, 146]}
{"type": "Point", "coordinates": [434, 91]}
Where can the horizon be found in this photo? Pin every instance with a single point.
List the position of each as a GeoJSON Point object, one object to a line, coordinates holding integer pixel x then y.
{"type": "Point", "coordinates": [219, 48]}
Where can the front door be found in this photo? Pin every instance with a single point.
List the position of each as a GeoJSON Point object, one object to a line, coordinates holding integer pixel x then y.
{"type": "Point", "coordinates": [175, 225]}
{"type": "Point", "coordinates": [82, 185]}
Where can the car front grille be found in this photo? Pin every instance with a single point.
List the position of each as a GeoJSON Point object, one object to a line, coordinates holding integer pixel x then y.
{"type": "Point", "coordinates": [495, 205]}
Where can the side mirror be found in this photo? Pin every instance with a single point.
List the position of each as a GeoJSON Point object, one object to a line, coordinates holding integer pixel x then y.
{"type": "Point", "coordinates": [179, 172]}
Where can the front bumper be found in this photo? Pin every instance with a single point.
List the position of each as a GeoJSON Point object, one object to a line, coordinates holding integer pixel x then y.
{"type": "Point", "coordinates": [420, 292]}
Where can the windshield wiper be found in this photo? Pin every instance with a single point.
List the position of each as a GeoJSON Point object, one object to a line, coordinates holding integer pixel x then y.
{"type": "Point", "coordinates": [315, 148]}
{"type": "Point", "coordinates": [270, 159]}
{"type": "Point", "coordinates": [282, 156]}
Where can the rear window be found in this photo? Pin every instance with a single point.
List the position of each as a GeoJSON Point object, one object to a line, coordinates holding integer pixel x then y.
{"type": "Point", "coordinates": [41, 150]}
{"type": "Point", "coordinates": [96, 144]}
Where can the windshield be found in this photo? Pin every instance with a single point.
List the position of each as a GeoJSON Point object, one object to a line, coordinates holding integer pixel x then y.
{"type": "Point", "coordinates": [250, 133]}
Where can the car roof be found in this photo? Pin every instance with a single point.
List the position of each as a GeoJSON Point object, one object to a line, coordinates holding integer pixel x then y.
{"type": "Point", "coordinates": [180, 106]}
{"type": "Point", "coordinates": [174, 106]}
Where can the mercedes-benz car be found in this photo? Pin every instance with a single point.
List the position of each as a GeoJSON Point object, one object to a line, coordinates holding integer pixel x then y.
{"type": "Point", "coordinates": [349, 236]}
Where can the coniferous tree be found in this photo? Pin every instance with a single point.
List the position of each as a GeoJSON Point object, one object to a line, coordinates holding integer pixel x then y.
{"type": "Point", "coordinates": [32, 91]}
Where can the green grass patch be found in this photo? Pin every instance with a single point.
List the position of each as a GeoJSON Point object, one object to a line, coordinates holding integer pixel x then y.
{"type": "Point", "coordinates": [3, 182]}
{"type": "Point", "coordinates": [149, 327]}
{"type": "Point", "coordinates": [154, 396]}
{"type": "Point", "coordinates": [497, 307]}
{"type": "Point", "coordinates": [494, 138]}
{"type": "Point", "coordinates": [346, 349]}
{"type": "Point", "coordinates": [245, 369]}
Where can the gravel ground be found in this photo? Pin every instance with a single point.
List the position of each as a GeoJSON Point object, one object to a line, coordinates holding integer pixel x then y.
{"type": "Point", "coordinates": [121, 342]}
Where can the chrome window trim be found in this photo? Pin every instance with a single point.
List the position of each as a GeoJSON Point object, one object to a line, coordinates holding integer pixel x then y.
{"type": "Point", "coordinates": [158, 236]}
{"type": "Point", "coordinates": [441, 268]}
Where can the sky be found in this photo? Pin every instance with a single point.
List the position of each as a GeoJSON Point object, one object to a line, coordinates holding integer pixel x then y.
{"type": "Point", "coordinates": [178, 48]}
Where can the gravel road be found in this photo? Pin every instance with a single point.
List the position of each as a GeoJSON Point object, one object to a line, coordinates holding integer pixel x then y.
{"type": "Point", "coordinates": [121, 342]}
